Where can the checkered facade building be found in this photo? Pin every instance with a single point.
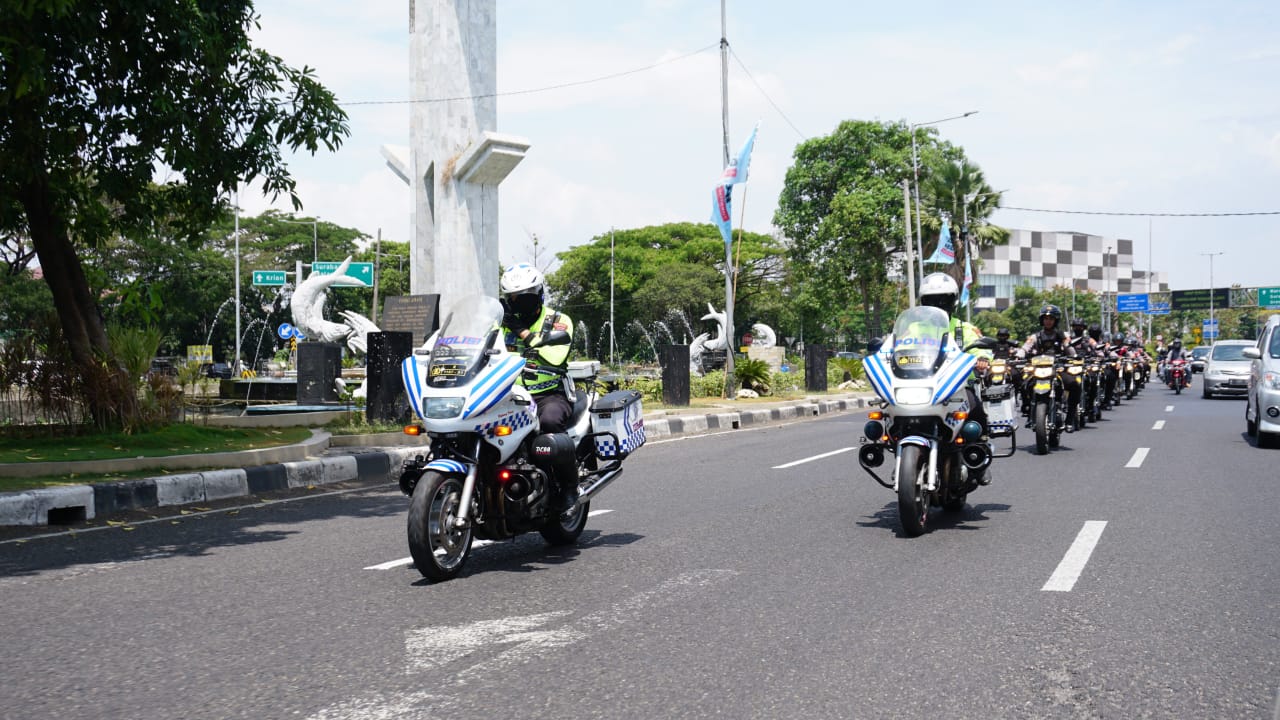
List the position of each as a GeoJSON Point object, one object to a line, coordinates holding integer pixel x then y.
{"type": "Point", "coordinates": [1045, 260]}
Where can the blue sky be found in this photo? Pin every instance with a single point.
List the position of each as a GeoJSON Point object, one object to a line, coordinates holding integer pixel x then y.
{"type": "Point", "coordinates": [1133, 107]}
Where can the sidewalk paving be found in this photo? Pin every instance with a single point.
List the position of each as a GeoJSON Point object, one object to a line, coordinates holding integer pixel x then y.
{"type": "Point", "coordinates": [363, 458]}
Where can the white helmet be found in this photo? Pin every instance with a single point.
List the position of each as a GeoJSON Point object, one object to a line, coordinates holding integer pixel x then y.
{"type": "Point", "coordinates": [941, 291]}
{"type": "Point", "coordinates": [523, 288]}
{"type": "Point", "coordinates": [520, 279]}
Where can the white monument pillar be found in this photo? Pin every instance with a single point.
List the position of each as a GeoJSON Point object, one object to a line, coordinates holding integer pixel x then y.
{"type": "Point", "coordinates": [455, 159]}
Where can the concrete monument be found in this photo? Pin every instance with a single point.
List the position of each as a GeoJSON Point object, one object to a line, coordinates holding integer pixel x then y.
{"type": "Point", "coordinates": [455, 159]}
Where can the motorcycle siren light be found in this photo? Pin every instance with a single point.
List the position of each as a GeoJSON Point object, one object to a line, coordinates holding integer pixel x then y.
{"type": "Point", "coordinates": [412, 429]}
{"type": "Point", "coordinates": [960, 415]}
{"type": "Point", "coordinates": [874, 430]}
{"type": "Point", "coordinates": [504, 474]}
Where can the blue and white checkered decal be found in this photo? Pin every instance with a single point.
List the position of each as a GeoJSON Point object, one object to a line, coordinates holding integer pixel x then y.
{"type": "Point", "coordinates": [631, 438]}
{"type": "Point", "coordinates": [515, 420]}
{"type": "Point", "coordinates": [449, 466]}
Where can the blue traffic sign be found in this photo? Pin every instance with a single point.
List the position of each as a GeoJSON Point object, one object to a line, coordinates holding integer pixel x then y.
{"type": "Point", "coordinates": [1132, 303]}
{"type": "Point", "coordinates": [285, 331]}
{"type": "Point", "coordinates": [1159, 308]}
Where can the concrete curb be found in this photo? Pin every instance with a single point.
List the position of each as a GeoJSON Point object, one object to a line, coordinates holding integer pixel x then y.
{"type": "Point", "coordinates": [68, 504]}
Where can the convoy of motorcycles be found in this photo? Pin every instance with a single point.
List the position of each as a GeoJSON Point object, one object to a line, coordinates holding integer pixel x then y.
{"type": "Point", "coordinates": [934, 393]}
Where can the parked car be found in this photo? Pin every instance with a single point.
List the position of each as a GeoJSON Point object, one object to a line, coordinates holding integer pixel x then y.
{"type": "Point", "coordinates": [1199, 357]}
{"type": "Point", "coordinates": [216, 370]}
{"type": "Point", "coordinates": [1227, 371]}
{"type": "Point", "coordinates": [1262, 408]}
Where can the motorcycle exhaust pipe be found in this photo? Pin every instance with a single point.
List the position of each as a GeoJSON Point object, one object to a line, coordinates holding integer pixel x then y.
{"type": "Point", "coordinates": [871, 456]}
{"type": "Point", "coordinates": [585, 494]}
{"type": "Point", "coordinates": [976, 457]}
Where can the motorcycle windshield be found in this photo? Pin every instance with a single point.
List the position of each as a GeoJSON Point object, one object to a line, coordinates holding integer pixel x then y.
{"type": "Point", "coordinates": [918, 339]}
{"type": "Point", "coordinates": [468, 331]}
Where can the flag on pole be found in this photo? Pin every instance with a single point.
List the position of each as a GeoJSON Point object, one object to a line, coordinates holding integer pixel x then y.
{"type": "Point", "coordinates": [722, 193]}
{"type": "Point", "coordinates": [968, 273]}
{"type": "Point", "coordinates": [945, 253]}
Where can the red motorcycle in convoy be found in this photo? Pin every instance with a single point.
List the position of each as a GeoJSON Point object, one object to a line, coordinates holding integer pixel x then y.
{"type": "Point", "coordinates": [1178, 375]}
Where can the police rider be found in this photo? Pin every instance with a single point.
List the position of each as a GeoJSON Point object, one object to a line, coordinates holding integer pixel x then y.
{"type": "Point", "coordinates": [527, 320]}
{"type": "Point", "coordinates": [1052, 341]}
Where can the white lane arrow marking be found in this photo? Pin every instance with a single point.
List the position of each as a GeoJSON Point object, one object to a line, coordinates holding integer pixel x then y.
{"type": "Point", "coordinates": [1064, 578]}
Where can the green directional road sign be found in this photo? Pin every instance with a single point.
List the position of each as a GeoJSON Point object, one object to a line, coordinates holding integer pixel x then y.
{"type": "Point", "coordinates": [268, 277]}
{"type": "Point", "coordinates": [1269, 298]}
{"type": "Point", "coordinates": [361, 271]}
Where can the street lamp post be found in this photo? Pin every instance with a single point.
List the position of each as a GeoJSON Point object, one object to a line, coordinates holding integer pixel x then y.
{"type": "Point", "coordinates": [1213, 327]}
{"type": "Point", "coordinates": [965, 235]}
{"type": "Point", "coordinates": [915, 172]}
{"type": "Point", "coordinates": [315, 236]}
{"type": "Point", "coordinates": [1106, 288]}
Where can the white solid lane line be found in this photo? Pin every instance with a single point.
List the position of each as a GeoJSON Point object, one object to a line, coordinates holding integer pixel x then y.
{"type": "Point", "coordinates": [811, 459]}
{"type": "Point", "coordinates": [1168, 408]}
{"type": "Point", "coordinates": [474, 544]}
{"type": "Point", "coordinates": [1064, 578]}
{"type": "Point", "coordinates": [1138, 456]}
{"type": "Point", "coordinates": [1158, 426]}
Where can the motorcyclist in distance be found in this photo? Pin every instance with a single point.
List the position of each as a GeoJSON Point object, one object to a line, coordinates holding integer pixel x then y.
{"type": "Point", "coordinates": [1005, 348]}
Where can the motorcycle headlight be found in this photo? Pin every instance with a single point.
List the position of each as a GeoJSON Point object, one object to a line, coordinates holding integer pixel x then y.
{"type": "Point", "coordinates": [913, 395]}
{"type": "Point", "coordinates": [1043, 372]}
{"type": "Point", "coordinates": [442, 408]}
{"type": "Point", "coordinates": [1075, 369]}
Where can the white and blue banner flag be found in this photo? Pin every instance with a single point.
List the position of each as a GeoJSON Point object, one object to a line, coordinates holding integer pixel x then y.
{"type": "Point", "coordinates": [722, 193]}
{"type": "Point", "coordinates": [945, 254]}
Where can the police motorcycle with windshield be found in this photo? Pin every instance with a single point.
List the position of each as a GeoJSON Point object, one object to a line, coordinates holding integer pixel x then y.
{"type": "Point", "coordinates": [938, 452]}
{"type": "Point", "coordinates": [489, 473]}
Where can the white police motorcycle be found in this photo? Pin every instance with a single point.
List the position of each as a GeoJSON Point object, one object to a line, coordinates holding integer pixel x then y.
{"type": "Point", "coordinates": [923, 420]}
{"type": "Point", "coordinates": [489, 472]}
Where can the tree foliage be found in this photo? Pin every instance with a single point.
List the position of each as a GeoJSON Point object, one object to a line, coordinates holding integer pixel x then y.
{"type": "Point", "coordinates": [665, 274]}
{"type": "Point", "coordinates": [94, 96]}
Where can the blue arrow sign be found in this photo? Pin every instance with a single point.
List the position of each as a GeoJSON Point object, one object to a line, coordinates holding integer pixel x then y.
{"type": "Point", "coordinates": [285, 331]}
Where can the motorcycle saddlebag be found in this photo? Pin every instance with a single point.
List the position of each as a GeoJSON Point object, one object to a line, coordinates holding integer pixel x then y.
{"type": "Point", "coordinates": [621, 414]}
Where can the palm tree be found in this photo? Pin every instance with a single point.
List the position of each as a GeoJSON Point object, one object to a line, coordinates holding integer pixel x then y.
{"type": "Point", "coordinates": [958, 190]}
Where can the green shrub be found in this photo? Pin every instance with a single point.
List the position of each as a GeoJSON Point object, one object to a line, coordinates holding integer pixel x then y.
{"type": "Point", "coordinates": [709, 385]}
{"type": "Point", "coordinates": [753, 374]}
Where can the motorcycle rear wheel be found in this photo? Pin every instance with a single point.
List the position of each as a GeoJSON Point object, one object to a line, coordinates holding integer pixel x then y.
{"type": "Point", "coordinates": [1042, 428]}
{"type": "Point", "coordinates": [439, 549]}
{"type": "Point", "coordinates": [913, 502]}
{"type": "Point", "coordinates": [564, 529]}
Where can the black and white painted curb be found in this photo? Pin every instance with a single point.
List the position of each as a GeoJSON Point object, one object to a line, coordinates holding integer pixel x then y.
{"type": "Point", "coordinates": [68, 504]}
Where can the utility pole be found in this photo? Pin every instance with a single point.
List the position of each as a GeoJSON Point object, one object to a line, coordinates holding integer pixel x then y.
{"type": "Point", "coordinates": [906, 231]}
{"type": "Point", "coordinates": [1213, 327]}
{"type": "Point", "coordinates": [235, 363]}
{"type": "Point", "coordinates": [611, 333]}
{"type": "Point", "coordinates": [724, 80]}
{"type": "Point", "coordinates": [729, 340]}
{"type": "Point", "coordinates": [377, 266]}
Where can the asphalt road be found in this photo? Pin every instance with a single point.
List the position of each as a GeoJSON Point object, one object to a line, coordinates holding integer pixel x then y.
{"type": "Point", "coordinates": [710, 583]}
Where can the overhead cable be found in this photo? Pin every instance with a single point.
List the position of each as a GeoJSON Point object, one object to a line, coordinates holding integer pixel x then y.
{"type": "Point", "coordinates": [765, 94]}
{"type": "Point", "coordinates": [548, 88]}
{"type": "Point", "coordinates": [1142, 214]}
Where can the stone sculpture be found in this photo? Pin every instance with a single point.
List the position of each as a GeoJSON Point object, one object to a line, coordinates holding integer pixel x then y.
{"type": "Point", "coordinates": [308, 314]}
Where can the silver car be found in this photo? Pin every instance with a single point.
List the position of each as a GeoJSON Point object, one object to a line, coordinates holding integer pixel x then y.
{"type": "Point", "coordinates": [1262, 411]}
{"type": "Point", "coordinates": [1227, 371]}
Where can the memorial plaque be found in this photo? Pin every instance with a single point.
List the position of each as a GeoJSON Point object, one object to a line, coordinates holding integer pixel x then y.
{"type": "Point", "coordinates": [815, 368]}
{"type": "Point", "coordinates": [319, 364]}
{"type": "Point", "coordinates": [386, 398]}
{"type": "Point", "coordinates": [417, 314]}
{"type": "Point", "coordinates": [675, 374]}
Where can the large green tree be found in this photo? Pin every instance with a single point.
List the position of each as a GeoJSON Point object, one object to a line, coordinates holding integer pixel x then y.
{"type": "Point", "coordinates": [841, 209]}
{"type": "Point", "coordinates": [666, 274]}
{"type": "Point", "coordinates": [95, 95]}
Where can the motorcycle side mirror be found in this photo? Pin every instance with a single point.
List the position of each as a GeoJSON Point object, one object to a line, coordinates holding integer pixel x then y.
{"type": "Point", "coordinates": [557, 337]}
{"type": "Point", "coordinates": [985, 342]}
{"type": "Point", "coordinates": [874, 345]}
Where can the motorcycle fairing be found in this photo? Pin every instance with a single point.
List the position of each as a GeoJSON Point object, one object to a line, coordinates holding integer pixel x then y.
{"type": "Point", "coordinates": [953, 376]}
{"type": "Point", "coordinates": [492, 384]}
{"type": "Point", "coordinates": [878, 374]}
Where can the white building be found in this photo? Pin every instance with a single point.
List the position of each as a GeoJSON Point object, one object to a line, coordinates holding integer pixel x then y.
{"type": "Point", "coordinates": [1045, 260]}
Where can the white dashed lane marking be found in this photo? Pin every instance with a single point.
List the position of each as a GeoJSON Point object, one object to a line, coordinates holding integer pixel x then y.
{"type": "Point", "coordinates": [1139, 455]}
{"type": "Point", "coordinates": [1068, 571]}
{"type": "Point", "coordinates": [793, 463]}
{"type": "Point", "coordinates": [1158, 426]}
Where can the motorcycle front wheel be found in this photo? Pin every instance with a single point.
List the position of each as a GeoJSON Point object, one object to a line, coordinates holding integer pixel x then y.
{"type": "Point", "coordinates": [438, 548]}
{"type": "Point", "coordinates": [1042, 428]}
{"type": "Point", "coordinates": [913, 503]}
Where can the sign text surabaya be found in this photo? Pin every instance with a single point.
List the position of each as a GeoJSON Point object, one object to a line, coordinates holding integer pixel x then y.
{"type": "Point", "coordinates": [1269, 297]}
{"type": "Point", "coordinates": [1132, 303]}
{"type": "Point", "coordinates": [362, 271]}
{"type": "Point", "coordinates": [1200, 299]}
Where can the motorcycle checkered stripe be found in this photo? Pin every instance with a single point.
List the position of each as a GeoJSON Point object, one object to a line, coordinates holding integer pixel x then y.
{"type": "Point", "coordinates": [449, 466]}
{"type": "Point", "coordinates": [515, 421]}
